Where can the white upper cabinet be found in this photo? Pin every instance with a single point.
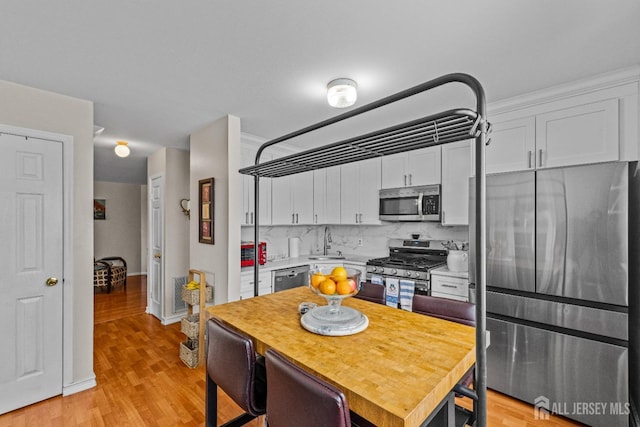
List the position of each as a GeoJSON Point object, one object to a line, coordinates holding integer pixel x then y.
{"type": "Point", "coordinates": [360, 186]}
{"type": "Point", "coordinates": [590, 121]}
{"type": "Point", "coordinates": [418, 167]}
{"type": "Point", "coordinates": [456, 170]}
{"type": "Point", "coordinates": [512, 145]}
{"type": "Point", "coordinates": [292, 199]}
{"type": "Point", "coordinates": [248, 210]}
{"type": "Point", "coordinates": [578, 135]}
{"type": "Point", "coordinates": [326, 195]}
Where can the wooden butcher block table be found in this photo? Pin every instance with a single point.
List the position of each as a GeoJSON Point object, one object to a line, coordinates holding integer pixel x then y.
{"type": "Point", "coordinates": [394, 373]}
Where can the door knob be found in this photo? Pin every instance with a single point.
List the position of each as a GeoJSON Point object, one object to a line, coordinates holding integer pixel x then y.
{"type": "Point", "coordinates": [158, 256]}
{"type": "Point", "coordinates": [52, 281]}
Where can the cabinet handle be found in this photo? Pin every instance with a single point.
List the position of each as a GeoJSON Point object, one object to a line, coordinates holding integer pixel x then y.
{"type": "Point", "coordinates": [293, 218]}
{"type": "Point", "coordinates": [443, 217]}
{"type": "Point", "coordinates": [251, 217]}
{"type": "Point", "coordinates": [356, 218]}
{"type": "Point", "coordinates": [529, 155]}
{"type": "Point", "coordinates": [540, 157]}
{"type": "Point", "coordinates": [444, 285]}
{"type": "Point", "coordinates": [410, 180]}
{"type": "Point", "coordinates": [405, 179]}
{"type": "Point", "coordinates": [246, 217]}
{"type": "Point", "coordinates": [296, 218]}
{"type": "Point", "coordinates": [360, 218]}
{"type": "Point", "coordinates": [316, 219]}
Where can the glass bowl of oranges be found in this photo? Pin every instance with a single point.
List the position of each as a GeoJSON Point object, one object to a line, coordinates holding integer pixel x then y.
{"type": "Point", "coordinates": [334, 284]}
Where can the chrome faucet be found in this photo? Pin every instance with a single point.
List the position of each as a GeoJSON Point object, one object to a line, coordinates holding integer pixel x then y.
{"type": "Point", "coordinates": [327, 241]}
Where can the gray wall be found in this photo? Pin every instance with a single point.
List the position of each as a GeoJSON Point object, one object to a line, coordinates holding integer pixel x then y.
{"type": "Point", "coordinates": [120, 233]}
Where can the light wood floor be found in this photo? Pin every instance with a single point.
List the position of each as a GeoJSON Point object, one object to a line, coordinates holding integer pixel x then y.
{"type": "Point", "coordinates": [143, 382]}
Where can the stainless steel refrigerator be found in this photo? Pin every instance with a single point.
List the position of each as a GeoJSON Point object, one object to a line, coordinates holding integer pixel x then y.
{"type": "Point", "coordinates": [558, 290]}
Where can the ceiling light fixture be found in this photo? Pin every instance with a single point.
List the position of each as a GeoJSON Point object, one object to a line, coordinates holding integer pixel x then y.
{"type": "Point", "coordinates": [342, 93]}
{"type": "Point", "coordinates": [122, 149]}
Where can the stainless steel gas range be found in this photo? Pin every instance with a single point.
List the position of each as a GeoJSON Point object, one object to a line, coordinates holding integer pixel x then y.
{"type": "Point", "coordinates": [411, 259]}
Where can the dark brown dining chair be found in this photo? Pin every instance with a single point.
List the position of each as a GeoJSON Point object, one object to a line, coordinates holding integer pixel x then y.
{"type": "Point", "coordinates": [297, 398]}
{"type": "Point", "coordinates": [459, 312]}
{"type": "Point", "coordinates": [371, 292]}
{"type": "Point", "coordinates": [233, 366]}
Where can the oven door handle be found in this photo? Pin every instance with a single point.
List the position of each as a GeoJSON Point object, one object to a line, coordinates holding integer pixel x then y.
{"type": "Point", "coordinates": [420, 209]}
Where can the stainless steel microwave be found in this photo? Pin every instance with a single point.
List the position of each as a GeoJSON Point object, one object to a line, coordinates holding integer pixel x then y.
{"type": "Point", "coordinates": [420, 203]}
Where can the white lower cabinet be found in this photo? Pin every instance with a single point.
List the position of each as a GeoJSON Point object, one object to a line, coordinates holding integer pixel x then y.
{"type": "Point", "coordinates": [246, 284]}
{"type": "Point", "coordinates": [456, 288]}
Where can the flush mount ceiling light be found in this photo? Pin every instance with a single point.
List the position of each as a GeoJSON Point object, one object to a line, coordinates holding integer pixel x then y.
{"type": "Point", "coordinates": [342, 93]}
{"type": "Point", "coordinates": [122, 149]}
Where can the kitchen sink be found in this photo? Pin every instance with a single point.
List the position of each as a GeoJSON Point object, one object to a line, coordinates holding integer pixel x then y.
{"type": "Point", "coordinates": [325, 257]}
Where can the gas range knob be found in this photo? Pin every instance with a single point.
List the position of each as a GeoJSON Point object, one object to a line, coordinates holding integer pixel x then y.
{"type": "Point", "coordinates": [394, 271]}
{"type": "Point", "coordinates": [408, 274]}
{"type": "Point", "coordinates": [378, 270]}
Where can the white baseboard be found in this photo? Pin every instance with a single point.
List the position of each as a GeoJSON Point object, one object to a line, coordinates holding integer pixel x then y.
{"type": "Point", "coordinates": [79, 386]}
{"type": "Point", "coordinates": [173, 319]}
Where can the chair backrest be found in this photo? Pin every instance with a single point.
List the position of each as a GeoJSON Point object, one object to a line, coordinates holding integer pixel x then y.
{"type": "Point", "coordinates": [297, 398]}
{"type": "Point", "coordinates": [371, 292]}
{"type": "Point", "coordinates": [231, 364]}
{"type": "Point", "coordinates": [447, 309]}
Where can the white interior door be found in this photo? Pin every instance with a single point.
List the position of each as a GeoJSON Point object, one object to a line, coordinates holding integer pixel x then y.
{"type": "Point", "coordinates": [154, 305]}
{"type": "Point", "coordinates": [31, 270]}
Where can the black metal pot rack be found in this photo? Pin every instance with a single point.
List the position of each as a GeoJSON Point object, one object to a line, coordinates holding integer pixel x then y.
{"type": "Point", "coordinates": [437, 129]}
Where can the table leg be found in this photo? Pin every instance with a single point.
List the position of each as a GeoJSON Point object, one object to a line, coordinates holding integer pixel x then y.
{"type": "Point", "coordinates": [444, 415]}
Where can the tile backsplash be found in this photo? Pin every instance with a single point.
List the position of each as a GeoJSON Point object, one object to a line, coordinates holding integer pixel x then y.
{"type": "Point", "coordinates": [345, 238]}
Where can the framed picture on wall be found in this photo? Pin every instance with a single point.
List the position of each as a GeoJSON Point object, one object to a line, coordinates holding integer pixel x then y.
{"type": "Point", "coordinates": [205, 211]}
{"type": "Point", "coordinates": [99, 209]}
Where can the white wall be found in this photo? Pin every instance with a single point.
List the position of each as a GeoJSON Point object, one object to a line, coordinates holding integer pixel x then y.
{"type": "Point", "coordinates": [215, 152]}
{"type": "Point", "coordinates": [31, 108]}
{"type": "Point", "coordinates": [119, 234]}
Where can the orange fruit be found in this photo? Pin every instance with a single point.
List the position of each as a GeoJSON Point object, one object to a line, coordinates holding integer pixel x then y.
{"type": "Point", "coordinates": [343, 287]}
{"type": "Point", "coordinates": [339, 273]}
{"type": "Point", "coordinates": [328, 287]}
{"type": "Point", "coordinates": [316, 279]}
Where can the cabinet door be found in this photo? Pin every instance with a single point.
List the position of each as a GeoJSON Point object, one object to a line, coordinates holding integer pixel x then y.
{"type": "Point", "coordinates": [369, 191]}
{"type": "Point", "coordinates": [248, 156]}
{"type": "Point", "coordinates": [281, 206]}
{"type": "Point", "coordinates": [319, 196]}
{"type": "Point", "coordinates": [394, 172]}
{"type": "Point", "coordinates": [349, 198]}
{"type": "Point", "coordinates": [456, 168]}
{"type": "Point", "coordinates": [512, 146]}
{"type": "Point", "coordinates": [248, 211]}
{"type": "Point", "coordinates": [578, 135]}
{"type": "Point", "coordinates": [326, 195]}
{"type": "Point", "coordinates": [449, 287]}
{"type": "Point", "coordinates": [423, 166]}
{"type": "Point", "coordinates": [302, 197]}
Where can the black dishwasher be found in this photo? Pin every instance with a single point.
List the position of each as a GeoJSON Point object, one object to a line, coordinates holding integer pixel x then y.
{"type": "Point", "coordinates": [292, 277]}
